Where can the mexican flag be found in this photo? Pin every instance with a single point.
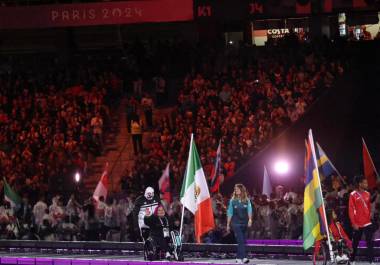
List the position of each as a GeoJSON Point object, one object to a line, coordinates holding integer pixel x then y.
{"type": "Point", "coordinates": [195, 195]}
{"type": "Point", "coordinates": [102, 187]}
{"type": "Point", "coordinates": [10, 195]}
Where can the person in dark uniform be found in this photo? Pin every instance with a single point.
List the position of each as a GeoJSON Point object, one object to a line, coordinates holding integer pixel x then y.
{"type": "Point", "coordinates": [148, 201]}
{"type": "Point", "coordinates": [239, 217]}
{"type": "Point", "coordinates": [159, 228]}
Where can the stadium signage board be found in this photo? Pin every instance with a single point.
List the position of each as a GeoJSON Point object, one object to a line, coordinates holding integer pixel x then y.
{"type": "Point", "coordinates": [88, 14]}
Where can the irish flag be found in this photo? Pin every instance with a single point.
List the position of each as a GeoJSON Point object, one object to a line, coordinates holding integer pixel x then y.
{"type": "Point", "coordinates": [102, 187]}
{"type": "Point", "coordinates": [195, 195]}
{"type": "Point", "coordinates": [10, 195]}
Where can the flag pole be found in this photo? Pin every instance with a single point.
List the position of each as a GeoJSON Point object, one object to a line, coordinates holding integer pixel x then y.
{"type": "Point", "coordinates": [185, 179]}
{"type": "Point", "coordinates": [373, 165]}
{"type": "Point", "coordinates": [320, 190]}
{"type": "Point", "coordinates": [336, 170]}
{"type": "Point", "coordinates": [217, 170]}
{"type": "Point", "coordinates": [180, 229]}
{"type": "Point", "coordinates": [332, 165]}
{"type": "Point", "coordinates": [214, 178]}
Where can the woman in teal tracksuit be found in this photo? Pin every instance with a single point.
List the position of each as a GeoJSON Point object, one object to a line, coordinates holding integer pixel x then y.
{"type": "Point", "coordinates": [239, 217]}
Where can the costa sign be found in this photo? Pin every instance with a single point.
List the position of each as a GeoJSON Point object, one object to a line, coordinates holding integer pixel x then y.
{"type": "Point", "coordinates": [278, 31]}
{"type": "Point", "coordinates": [107, 13]}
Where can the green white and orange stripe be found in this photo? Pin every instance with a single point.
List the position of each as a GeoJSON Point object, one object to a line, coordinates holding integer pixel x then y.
{"type": "Point", "coordinates": [195, 195]}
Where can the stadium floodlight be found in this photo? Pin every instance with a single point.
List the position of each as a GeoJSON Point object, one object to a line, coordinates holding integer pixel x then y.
{"type": "Point", "coordinates": [281, 167]}
{"type": "Point", "coordinates": [77, 177]}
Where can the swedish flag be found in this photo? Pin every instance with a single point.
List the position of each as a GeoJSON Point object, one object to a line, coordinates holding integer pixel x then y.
{"type": "Point", "coordinates": [314, 218]}
{"type": "Point", "coordinates": [324, 164]}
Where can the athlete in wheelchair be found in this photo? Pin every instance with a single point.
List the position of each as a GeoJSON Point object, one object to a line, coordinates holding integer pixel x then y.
{"type": "Point", "coordinates": [152, 230]}
{"type": "Point", "coordinates": [148, 201]}
{"type": "Point", "coordinates": [341, 244]}
{"type": "Point", "coordinates": [161, 240]}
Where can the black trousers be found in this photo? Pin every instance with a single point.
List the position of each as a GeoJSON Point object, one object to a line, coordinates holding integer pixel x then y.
{"type": "Point", "coordinates": [137, 143]}
{"type": "Point", "coordinates": [357, 235]}
{"type": "Point", "coordinates": [162, 243]}
{"type": "Point", "coordinates": [149, 117]}
{"type": "Point", "coordinates": [144, 232]}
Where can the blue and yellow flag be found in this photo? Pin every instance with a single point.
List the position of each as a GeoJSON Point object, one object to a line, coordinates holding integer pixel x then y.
{"type": "Point", "coordinates": [313, 215]}
{"type": "Point", "coordinates": [324, 164]}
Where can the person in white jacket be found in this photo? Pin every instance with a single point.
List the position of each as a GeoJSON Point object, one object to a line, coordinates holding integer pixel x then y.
{"type": "Point", "coordinates": [39, 211]}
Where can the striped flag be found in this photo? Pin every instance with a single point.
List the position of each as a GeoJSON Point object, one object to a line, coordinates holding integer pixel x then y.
{"type": "Point", "coordinates": [324, 163]}
{"type": "Point", "coordinates": [10, 195]}
{"type": "Point", "coordinates": [102, 187]}
{"type": "Point", "coordinates": [164, 185]}
{"type": "Point", "coordinates": [314, 218]}
{"type": "Point", "coordinates": [195, 195]}
{"type": "Point", "coordinates": [216, 174]}
{"type": "Point", "coordinates": [370, 171]}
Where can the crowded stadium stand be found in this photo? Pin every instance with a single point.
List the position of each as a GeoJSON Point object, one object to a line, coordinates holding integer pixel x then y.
{"type": "Point", "coordinates": [102, 96]}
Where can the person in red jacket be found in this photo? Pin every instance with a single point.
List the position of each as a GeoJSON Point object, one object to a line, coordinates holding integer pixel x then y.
{"type": "Point", "coordinates": [339, 235]}
{"type": "Point", "coordinates": [360, 216]}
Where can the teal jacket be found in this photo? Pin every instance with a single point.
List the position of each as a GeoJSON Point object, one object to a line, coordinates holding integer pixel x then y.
{"type": "Point", "coordinates": [239, 211]}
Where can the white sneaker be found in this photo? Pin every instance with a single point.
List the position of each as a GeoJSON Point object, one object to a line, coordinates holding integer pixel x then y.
{"type": "Point", "coordinates": [239, 261]}
{"type": "Point", "coordinates": [167, 255]}
{"type": "Point", "coordinates": [245, 260]}
{"type": "Point", "coordinates": [341, 258]}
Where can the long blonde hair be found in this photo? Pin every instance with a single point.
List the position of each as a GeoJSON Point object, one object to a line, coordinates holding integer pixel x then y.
{"type": "Point", "coordinates": [244, 194]}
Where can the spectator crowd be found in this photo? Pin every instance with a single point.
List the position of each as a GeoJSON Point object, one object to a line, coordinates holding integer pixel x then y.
{"type": "Point", "coordinates": [278, 217]}
{"type": "Point", "coordinates": [243, 97]}
{"type": "Point", "coordinates": [50, 123]}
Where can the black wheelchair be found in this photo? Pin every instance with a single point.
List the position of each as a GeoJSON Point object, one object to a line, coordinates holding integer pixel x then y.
{"type": "Point", "coordinates": [341, 254]}
{"type": "Point", "coordinates": [152, 249]}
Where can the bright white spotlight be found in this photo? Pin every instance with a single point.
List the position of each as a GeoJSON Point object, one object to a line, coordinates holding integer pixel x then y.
{"type": "Point", "coordinates": [281, 167]}
{"type": "Point", "coordinates": [77, 177]}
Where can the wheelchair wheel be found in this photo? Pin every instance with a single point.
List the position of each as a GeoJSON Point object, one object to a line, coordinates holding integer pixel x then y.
{"type": "Point", "coordinates": [181, 258]}
{"type": "Point", "coordinates": [177, 246]}
{"type": "Point", "coordinates": [321, 257]}
{"type": "Point", "coordinates": [151, 256]}
{"type": "Point", "coordinates": [145, 252]}
{"type": "Point", "coordinates": [150, 250]}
